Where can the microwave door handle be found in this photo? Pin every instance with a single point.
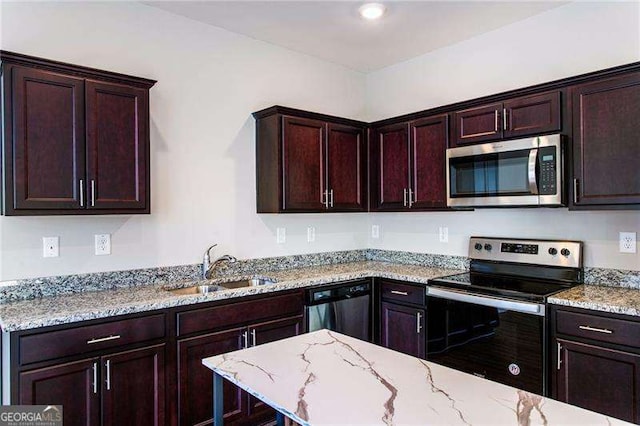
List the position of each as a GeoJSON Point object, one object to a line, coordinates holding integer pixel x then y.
{"type": "Point", "coordinates": [533, 160]}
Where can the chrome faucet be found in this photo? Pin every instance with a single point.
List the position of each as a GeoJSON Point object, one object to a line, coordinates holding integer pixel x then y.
{"type": "Point", "coordinates": [208, 266]}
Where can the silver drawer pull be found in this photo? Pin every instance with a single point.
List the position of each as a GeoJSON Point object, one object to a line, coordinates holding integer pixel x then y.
{"type": "Point", "coordinates": [401, 293]}
{"type": "Point", "coordinates": [103, 339]}
{"type": "Point", "coordinates": [599, 330]}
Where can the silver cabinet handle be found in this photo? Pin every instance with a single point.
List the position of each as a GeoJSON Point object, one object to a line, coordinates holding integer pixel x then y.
{"type": "Point", "coordinates": [93, 193]}
{"type": "Point", "coordinates": [95, 377]}
{"type": "Point", "coordinates": [401, 293]}
{"type": "Point", "coordinates": [410, 197]}
{"type": "Point", "coordinates": [326, 198]}
{"type": "Point", "coordinates": [597, 330]}
{"type": "Point", "coordinates": [405, 197]}
{"type": "Point", "coordinates": [504, 119]}
{"type": "Point", "coordinates": [331, 197]}
{"type": "Point", "coordinates": [81, 192]}
{"type": "Point", "coordinates": [103, 339]}
{"type": "Point", "coordinates": [253, 337]}
{"type": "Point", "coordinates": [495, 127]}
{"type": "Point", "coordinates": [418, 322]}
{"type": "Point", "coordinates": [575, 191]}
{"type": "Point", "coordinates": [559, 356]}
{"type": "Point", "coordinates": [245, 338]}
{"type": "Point", "coordinates": [108, 378]}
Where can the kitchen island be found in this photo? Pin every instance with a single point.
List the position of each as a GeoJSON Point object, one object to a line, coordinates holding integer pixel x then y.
{"type": "Point", "coordinates": [325, 377]}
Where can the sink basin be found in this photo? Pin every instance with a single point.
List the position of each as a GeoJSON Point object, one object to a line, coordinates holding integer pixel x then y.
{"type": "Point", "coordinates": [211, 288]}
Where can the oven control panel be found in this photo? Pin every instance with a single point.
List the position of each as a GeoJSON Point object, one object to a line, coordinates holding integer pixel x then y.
{"type": "Point", "coordinates": [537, 252]}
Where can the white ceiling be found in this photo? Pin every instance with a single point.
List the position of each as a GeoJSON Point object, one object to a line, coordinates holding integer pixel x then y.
{"type": "Point", "coordinates": [333, 31]}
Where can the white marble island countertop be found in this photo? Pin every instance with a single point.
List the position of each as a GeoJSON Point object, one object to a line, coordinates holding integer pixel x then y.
{"type": "Point", "coordinates": [326, 378]}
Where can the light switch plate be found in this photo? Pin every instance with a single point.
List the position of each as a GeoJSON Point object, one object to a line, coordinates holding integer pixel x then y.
{"type": "Point", "coordinates": [50, 246]}
{"type": "Point", "coordinates": [311, 234]}
{"type": "Point", "coordinates": [103, 244]}
{"type": "Point", "coordinates": [281, 235]}
{"type": "Point", "coordinates": [444, 234]}
{"type": "Point", "coordinates": [375, 231]}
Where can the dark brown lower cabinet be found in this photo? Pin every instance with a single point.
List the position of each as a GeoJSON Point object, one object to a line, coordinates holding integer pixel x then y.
{"type": "Point", "coordinates": [402, 329]}
{"type": "Point", "coordinates": [70, 385]}
{"type": "Point", "coordinates": [101, 390]}
{"type": "Point", "coordinates": [195, 381]}
{"type": "Point", "coordinates": [599, 379]}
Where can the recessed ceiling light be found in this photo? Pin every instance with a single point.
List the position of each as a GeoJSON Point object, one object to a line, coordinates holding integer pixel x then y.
{"type": "Point", "coordinates": [372, 11]}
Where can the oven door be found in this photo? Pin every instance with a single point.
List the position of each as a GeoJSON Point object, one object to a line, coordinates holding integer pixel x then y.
{"type": "Point", "coordinates": [489, 340]}
{"type": "Point", "coordinates": [524, 172]}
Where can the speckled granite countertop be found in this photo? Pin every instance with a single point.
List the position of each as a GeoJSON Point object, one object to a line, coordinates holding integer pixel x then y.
{"type": "Point", "coordinates": [600, 298]}
{"type": "Point", "coordinates": [55, 310]}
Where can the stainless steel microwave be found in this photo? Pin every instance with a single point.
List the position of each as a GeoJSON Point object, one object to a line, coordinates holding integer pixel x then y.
{"type": "Point", "coordinates": [523, 172]}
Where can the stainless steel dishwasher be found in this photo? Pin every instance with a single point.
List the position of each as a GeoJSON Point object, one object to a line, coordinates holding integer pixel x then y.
{"type": "Point", "coordinates": [344, 307]}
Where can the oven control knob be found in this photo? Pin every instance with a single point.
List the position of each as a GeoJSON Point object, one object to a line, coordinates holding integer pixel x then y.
{"type": "Point", "coordinates": [487, 247]}
{"type": "Point", "coordinates": [478, 246]}
{"type": "Point", "coordinates": [553, 251]}
{"type": "Point", "coordinates": [565, 252]}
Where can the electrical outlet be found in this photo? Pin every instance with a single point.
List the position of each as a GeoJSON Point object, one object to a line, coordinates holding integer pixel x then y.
{"type": "Point", "coordinates": [311, 234]}
{"type": "Point", "coordinates": [103, 244]}
{"type": "Point", "coordinates": [627, 242]}
{"type": "Point", "coordinates": [281, 235]}
{"type": "Point", "coordinates": [444, 234]}
{"type": "Point", "coordinates": [50, 246]}
{"type": "Point", "coordinates": [375, 231]}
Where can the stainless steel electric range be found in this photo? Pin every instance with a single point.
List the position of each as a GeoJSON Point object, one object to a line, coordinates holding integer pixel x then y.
{"type": "Point", "coordinates": [491, 321]}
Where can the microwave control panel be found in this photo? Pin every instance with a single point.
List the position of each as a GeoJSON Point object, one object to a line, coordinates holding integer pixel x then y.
{"type": "Point", "coordinates": [547, 185]}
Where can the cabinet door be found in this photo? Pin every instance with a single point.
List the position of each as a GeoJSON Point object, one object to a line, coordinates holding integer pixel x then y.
{"type": "Point", "coordinates": [479, 124]}
{"type": "Point", "coordinates": [532, 115]}
{"type": "Point", "coordinates": [133, 388]}
{"type": "Point", "coordinates": [346, 168]}
{"type": "Point", "coordinates": [74, 386]}
{"type": "Point", "coordinates": [402, 329]}
{"type": "Point", "coordinates": [195, 381]}
{"type": "Point", "coordinates": [390, 171]}
{"type": "Point", "coordinates": [270, 332]}
{"type": "Point", "coordinates": [117, 146]}
{"type": "Point", "coordinates": [599, 379]}
{"type": "Point", "coordinates": [429, 143]}
{"type": "Point", "coordinates": [605, 141]}
{"type": "Point", "coordinates": [47, 151]}
{"type": "Point", "coordinates": [304, 171]}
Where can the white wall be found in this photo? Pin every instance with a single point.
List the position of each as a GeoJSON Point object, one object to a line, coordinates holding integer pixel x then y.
{"type": "Point", "coordinates": [202, 137]}
{"type": "Point", "coordinates": [569, 40]}
{"type": "Point", "coordinates": [202, 133]}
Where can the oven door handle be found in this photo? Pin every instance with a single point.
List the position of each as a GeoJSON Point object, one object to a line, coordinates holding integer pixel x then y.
{"type": "Point", "coordinates": [533, 160]}
{"type": "Point", "coordinates": [511, 305]}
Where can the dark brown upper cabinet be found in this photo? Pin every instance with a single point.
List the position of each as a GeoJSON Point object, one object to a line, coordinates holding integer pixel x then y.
{"type": "Point", "coordinates": [408, 165]}
{"type": "Point", "coordinates": [75, 141]}
{"type": "Point", "coordinates": [308, 162]}
{"type": "Point", "coordinates": [523, 116]}
{"type": "Point", "coordinates": [606, 142]}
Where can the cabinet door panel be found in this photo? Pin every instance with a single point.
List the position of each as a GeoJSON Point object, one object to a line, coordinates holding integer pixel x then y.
{"type": "Point", "coordinates": [270, 332]}
{"type": "Point", "coordinates": [600, 379]}
{"type": "Point", "coordinates": [391, 151]}
{"type": "Point", "coordinates": [117, 157]}
{"type": "Point", "coordinates": [133, 391]}
{"type": "Point", "coordinates": [304, 167]}
{"type": "Point", "coordinates": [70, 385]}
{"type": "Point", "coordinates": [605, 141]}
{"type": "Point", "coordinates": [195, 381]}
{"type": "Point", "coordinates": [402, 329]}
{"type": "Point", "coordinates": [346, 168]}
{"type": "Point", "coordinates": [532, 115]}
{"type": "Point", "coordinates": [48, 140]}
{"type": "Point", "coordinates": [479, 124]}
{"type": "Point", "coordinates": [429, 141]}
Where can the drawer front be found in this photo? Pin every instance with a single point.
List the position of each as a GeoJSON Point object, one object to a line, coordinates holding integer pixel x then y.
{"type": "Point", "coordinates": [239, 313]}
{"type": "Point", "coordinates": [611, 330]}
{"type": "Point", "coordinates": [407, 293]}
{"type": "Point", "coordinates": [78, 340]}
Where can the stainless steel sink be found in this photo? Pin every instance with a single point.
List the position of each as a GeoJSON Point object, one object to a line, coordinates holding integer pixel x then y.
{"type": "Point", "coordinates": [211, 288]}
